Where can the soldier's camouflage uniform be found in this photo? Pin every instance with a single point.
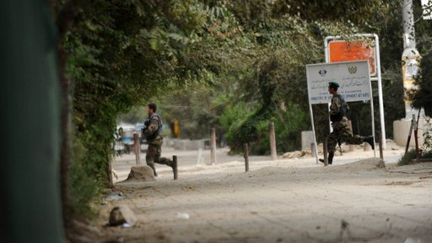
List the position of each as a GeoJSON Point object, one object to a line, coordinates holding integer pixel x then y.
{"type": "Point", "coordinates": [155, 140]}
{"type": "Point", "coordinates": [341, 129]}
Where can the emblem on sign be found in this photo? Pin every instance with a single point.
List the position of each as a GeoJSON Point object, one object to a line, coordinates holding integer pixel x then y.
{"type": "Point", "coordinates": [322, 72]}
{"type": "Point", "coordinates": [352, 69]}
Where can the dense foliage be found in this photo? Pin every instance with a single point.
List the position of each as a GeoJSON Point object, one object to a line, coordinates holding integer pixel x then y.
{"type": "Point", "coordinates": [122, 53]}
{"type": "Point", "coordinates": [423, 98]}
{"type": "Point", "coordinates": [269, 83]}
{"type": "Point", "coordinates": [234, 65]}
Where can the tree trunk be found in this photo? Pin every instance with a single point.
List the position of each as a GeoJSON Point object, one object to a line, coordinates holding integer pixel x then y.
{"type": "Point", "coordinates": [64, 20]}
{"type": "Point", "coordinates": [65, 149]}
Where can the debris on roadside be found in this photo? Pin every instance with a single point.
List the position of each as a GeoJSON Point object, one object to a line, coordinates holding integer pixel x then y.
{"type": "Point", "coordinates": [183, 216]}
{"type": "Point", "coordinates": [114, 196]}
{"type": "Point", "coordinates": [141, 173]}
{"type": "Point", "coordinates": [122, 216]}
{"type": "Point", "coordinates": [295, 154]}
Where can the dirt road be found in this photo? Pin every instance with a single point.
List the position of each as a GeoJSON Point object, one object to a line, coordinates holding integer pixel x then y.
{"type": "Point", "coordinates": [282, 201]}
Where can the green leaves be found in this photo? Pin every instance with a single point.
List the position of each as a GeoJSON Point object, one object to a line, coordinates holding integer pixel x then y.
{"type": "Point", "coordinates": [232, 64]}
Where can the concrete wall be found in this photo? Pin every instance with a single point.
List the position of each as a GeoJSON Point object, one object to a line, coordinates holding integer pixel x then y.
{"type": "Point", "coordinates": [401, 129]}
{"type": "Point", "coordinates": [307, 138]}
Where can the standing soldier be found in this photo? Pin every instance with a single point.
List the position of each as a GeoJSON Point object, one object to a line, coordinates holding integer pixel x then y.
{"type": "Point", "coordinates": [152, 132]}
{"type": "Point", "coordinates": [341, 130]}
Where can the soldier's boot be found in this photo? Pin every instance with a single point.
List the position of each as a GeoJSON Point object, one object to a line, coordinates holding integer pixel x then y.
{"type": "Point", "coordinates": [173, 165]}
{"type": "Point", "coordinates": [370, 141]}
{"type": "Point", "coordinates": [329, 158]}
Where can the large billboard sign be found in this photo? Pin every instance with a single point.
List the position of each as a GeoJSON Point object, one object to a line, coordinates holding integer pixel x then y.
{"type": "Point", "coordinates": [345, 51]}
{"type": "Point", "coordinates": [352, 77]}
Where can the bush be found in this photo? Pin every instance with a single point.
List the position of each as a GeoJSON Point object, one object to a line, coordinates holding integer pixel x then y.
{"type": "Point", "coordinates": [407, 158]}
{"type": "Point", "coordinates": [410, 157]}
{"type": "Point", "coordinates": [427, 155]}
{"type": "Point", "coordinates": [83, 186]}
{"type": "Point", "coordinates": [232, 119]}
{"type": "Point", "coordinates": [252, 127]}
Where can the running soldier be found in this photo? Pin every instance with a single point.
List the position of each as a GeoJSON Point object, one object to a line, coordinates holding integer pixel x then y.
{"type": "Point", "coordinates": [341, 130]}
{"type": "Point", "coordinates": [152, 133]}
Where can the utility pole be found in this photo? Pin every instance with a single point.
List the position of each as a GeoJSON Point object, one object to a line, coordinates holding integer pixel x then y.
{"type": "Point", "coordinates": [272, 138]}
{"type": "Point", "coordinates": [213, 146]}
{"type": "Point", "coordinates": [410, 56]}
{"type": "Point", "coordinates": [408, 25]}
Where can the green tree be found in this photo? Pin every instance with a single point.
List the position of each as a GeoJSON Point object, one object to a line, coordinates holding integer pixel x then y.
{"type": "Point", "coordinates": [118, 54]}
{"type": "Point", "coordinates": [235, 65]}
{"type": "Point", "coordinates": [423, 98]}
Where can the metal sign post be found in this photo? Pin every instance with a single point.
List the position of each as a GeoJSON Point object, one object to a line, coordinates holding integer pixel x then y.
{"type": "Point", "coordinates": [354, 81]}
{"type": "Point", "coordinates": [371, 53]}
